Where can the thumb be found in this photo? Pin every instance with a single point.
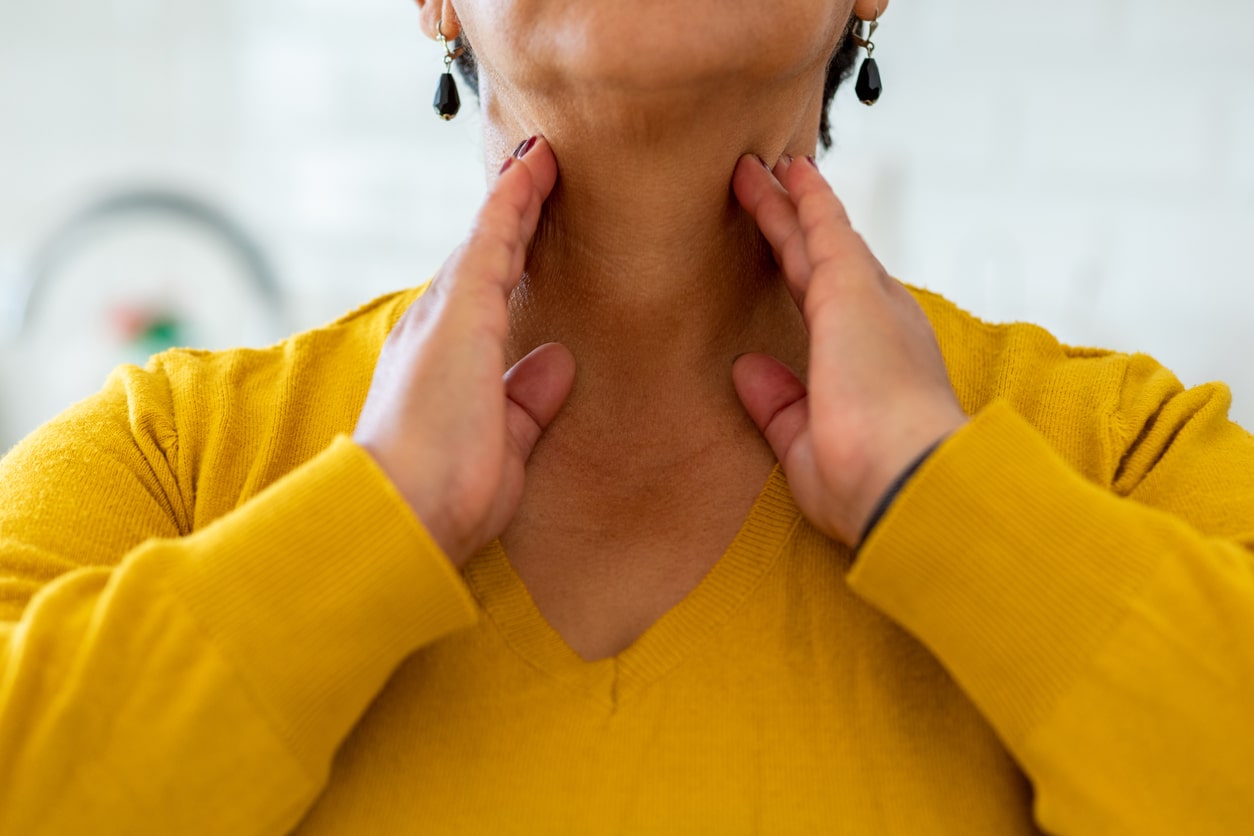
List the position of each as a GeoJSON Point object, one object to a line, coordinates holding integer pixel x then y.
{"type": "Point", "coordinates": [535, 389]}
{"type": "Point", "coordinates": [774, 398]}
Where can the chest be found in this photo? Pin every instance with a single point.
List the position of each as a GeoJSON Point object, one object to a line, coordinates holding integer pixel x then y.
{"type": "Point", "coordinates": [771, 701]}
{"type": "Point", "coordinates": [603, 566]}
{"type": "Point", "coordinates": [605, 547]}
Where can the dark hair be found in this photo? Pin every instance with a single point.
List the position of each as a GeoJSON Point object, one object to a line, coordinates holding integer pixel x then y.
{"type": "Point", "coordinates": [839, 68]}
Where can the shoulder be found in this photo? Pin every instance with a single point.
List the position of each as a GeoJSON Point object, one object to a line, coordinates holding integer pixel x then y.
{"type": "Point", "coordinates": [350, 339]}
{"type": "Point", "coordinates": [1091, 403]}
{"type": "Point", "coordinates": [237, 420]}
{"type": "Point", "coordinates": [338, 353]}
{"type": "Point", "coordinates": [1018, 360]}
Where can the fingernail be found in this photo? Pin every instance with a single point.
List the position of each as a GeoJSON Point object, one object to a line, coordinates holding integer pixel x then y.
{"type": "Point", "coordinates": [524, 147]}
{"type": "Point", "coordinates": [788, 158]}
{"type": "Point", "coordinates": [811, 161]}
{"type": "Point", "coordinates": [508, 162]}
{"type": "Point", "coordinates": [518, 149]}
{"type": "Point", "coordinates": [759, 159]}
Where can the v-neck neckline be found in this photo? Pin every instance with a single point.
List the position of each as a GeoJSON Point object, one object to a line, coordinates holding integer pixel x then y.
{"type": "Point", "coordinates": [755, 548]}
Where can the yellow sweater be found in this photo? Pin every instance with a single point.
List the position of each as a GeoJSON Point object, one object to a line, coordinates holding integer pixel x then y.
{"type": "Point", "coordinates": [218, 616]}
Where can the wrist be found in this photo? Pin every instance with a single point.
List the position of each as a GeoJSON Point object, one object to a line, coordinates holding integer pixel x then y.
{"type": "Point", "coordinates": [889, 494]}
{"type": "Point", "coordinates": [440, 526]}
{"type": "Point", "coordinates": [421, 501]}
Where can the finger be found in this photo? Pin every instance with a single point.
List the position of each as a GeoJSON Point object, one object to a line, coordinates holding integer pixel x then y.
{"type": "Point", "coordinates": [540, 161]}
{"type": "Point", "coordinates": [750, 187]}
{"type": "Point", "coordinates": [494, 253]}
{"type": "Point", "coordinates": [770, 206]}
{"type": "Point", "coordinates": [535, 389]}
{"type": "Point", "coordinates": [537, 157]}
{"type": "Point", "coordinates": [775, 399]}
{"type": "Point", "coordinates": [833, 249]}
{"type": "Point", "coordinates": [781, 168]}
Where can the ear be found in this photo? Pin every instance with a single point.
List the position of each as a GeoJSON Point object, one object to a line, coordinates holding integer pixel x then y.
{"type": "Point", "coordinates": [867, 9]}
{"type": "Point", "coordinates": [442, 13]}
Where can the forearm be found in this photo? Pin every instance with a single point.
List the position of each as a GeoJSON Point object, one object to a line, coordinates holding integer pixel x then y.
{"type": "Point", "coordinates": [204, 684]}
{"type": "Point", "coordinates": [1107, 642]}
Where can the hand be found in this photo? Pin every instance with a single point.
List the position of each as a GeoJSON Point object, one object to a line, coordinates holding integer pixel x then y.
{"type": "Point", "coordinates": [879, 394]}
{"type": "Point", "coordinates": [443, 419]}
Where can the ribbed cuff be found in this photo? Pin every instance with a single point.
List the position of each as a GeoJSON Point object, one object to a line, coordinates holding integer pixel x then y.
{"type": "Point", "coordinates": [1009, 565]}
{"type": "Point", "coordinates": [316, 589]}
{"type": "Point", "coordinates": [894, 489]}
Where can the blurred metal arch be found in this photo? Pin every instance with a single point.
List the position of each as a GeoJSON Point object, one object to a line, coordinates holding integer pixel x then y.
{"type": "Point", "coordinates": [70, 237]}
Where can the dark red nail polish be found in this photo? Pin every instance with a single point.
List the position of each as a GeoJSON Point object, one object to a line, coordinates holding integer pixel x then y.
{"type": "Point", "coordinates": [524, 147]}
{"type": "Point", "coordinates": [505, 165]}
{"type": "Point", "coordinates": [811, 161]}
{"type": "Point", "coordinates": [518, 149]}
{"type": "Point", "coordinates": [758, 157]}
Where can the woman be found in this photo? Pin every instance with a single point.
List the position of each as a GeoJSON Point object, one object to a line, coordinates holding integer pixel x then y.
{"type": "Point", "coordinates": [268, 591]}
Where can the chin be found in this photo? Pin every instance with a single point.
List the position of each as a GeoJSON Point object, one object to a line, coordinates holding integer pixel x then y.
{"type": "Point", "coordinates": [652, 45]}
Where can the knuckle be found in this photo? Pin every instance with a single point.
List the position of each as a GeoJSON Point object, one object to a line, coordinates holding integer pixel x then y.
{"type": "Point", "coordinates": [795, 236]}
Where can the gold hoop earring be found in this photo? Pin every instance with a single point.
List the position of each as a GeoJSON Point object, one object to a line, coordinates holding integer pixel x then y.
{"type": "Point", "coordinates": [447, 101]}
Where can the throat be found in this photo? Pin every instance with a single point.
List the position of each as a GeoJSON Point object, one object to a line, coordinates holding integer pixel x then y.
{"type": "Point", "coordinates": [647, 269]}
{"type": "Point", "coordinates": [661, 267]}
{"type": "Point", "coordinates": [606, 552]}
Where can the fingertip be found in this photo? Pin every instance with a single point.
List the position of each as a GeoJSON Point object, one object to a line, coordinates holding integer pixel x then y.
{"type": "Point", "coordinates": [541, 381]}
{"type": "Point", "coordinates": [791, 177]}
{"type": "Point", "coordinates": [541, 162]}
{"type": "Point", "coordinates": [560, 358]}
{"type": "Point", "coordinates": [533, 162]}
{"type": "Point", "coordinates": [815, 198]}
{"type": "Point", "coordinates": [766, 386]}
{"type": "Point", "coordinates": [757, 365]}
{"type": "Point", "coordinates": [758, 373]}
{"type": "Point", "coordinates": [781, 168]}
{"type": "Point", "coordinates": [749, 167]}
{"type": "Point", "coordinates": [807, 174]}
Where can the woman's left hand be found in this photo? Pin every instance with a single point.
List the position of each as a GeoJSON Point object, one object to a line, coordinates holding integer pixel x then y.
{"type": "Point", "coordinates": [879, 394]}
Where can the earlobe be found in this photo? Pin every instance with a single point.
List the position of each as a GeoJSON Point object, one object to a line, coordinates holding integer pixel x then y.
{"type": "Point", "coordinates": [442, 14]}
{"type": "Point", "coordinates": [869, 9]}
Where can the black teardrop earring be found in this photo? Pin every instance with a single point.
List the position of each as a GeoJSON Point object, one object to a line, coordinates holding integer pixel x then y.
{"type": "Point", "coordinates": [447, 101]}
{"type": "Point", "coordinates": [869, 85]}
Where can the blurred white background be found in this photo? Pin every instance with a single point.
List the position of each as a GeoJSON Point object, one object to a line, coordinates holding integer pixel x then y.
{"type": "Point", "coordinates": [1088, 168]}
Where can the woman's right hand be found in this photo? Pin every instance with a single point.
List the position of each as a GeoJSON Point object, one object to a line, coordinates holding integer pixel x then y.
{"type": "Point", "coordinates": [446, 422]}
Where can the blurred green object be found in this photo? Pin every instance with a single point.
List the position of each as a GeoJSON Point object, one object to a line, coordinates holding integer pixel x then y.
{"type": "Point", "coordinates": [162, 332]}
{"type": "Point", "coordinates": [149, 330]}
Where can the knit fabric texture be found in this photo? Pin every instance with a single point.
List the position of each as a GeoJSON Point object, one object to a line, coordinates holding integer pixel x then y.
{"type": "Point", "coordinates": [217, 615]}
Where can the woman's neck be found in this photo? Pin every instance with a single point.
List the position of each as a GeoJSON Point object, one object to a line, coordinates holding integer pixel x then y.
{"type": "Point", "coordinates": [646, 267]}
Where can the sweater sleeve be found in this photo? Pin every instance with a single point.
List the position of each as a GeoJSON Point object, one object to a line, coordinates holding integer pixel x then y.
{"type": "Point", "coordinates": [158, 683]}
{"type": "Point", "coordinates": [1106, 632]}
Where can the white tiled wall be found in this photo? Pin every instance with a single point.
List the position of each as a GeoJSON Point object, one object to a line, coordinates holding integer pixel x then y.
{"type": "Point", "coordinates": [1087, 168]}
